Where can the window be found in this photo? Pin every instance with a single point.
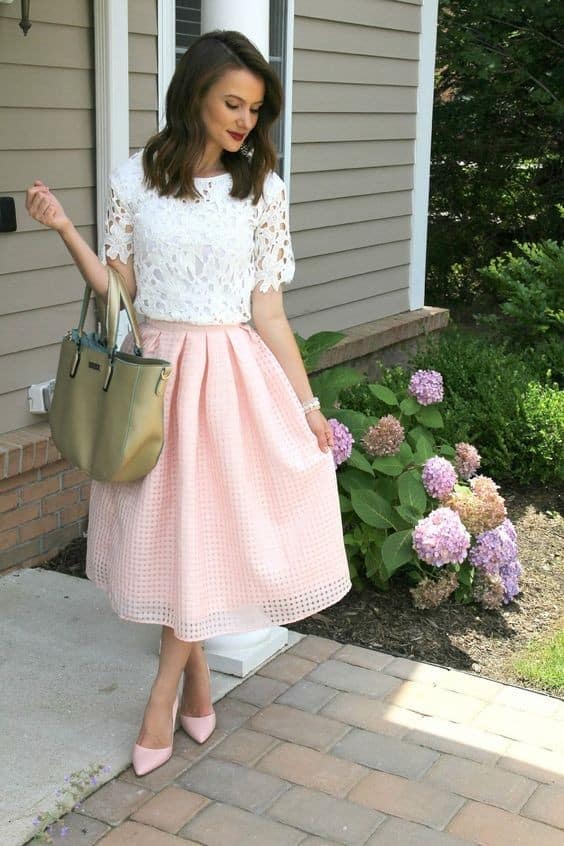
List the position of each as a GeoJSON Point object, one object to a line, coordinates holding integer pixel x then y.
{"type": "Point", "coordinates": [189, 27]}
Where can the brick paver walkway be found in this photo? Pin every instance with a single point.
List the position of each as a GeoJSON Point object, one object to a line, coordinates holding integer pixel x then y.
{"type": "Point", "coordinates": [331, 744]}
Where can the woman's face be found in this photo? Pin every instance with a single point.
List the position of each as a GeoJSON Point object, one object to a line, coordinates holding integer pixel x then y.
{"type": "Point", "coordinates": [230, 110]}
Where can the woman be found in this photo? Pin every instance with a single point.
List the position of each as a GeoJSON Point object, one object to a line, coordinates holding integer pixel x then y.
{"type": "Point", "coordinates": [238, 526]}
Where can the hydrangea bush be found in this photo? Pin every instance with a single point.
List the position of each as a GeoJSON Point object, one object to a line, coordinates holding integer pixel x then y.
{"type": "Point", "coordinates": [411, 501]}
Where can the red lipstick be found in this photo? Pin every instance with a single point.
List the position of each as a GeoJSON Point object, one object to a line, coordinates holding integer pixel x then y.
{"type": "Point", "coordinates": [236, 136]}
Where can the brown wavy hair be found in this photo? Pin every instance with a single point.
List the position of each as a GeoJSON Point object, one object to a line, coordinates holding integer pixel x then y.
{"type": "Point", "coordinates": [170, 156]}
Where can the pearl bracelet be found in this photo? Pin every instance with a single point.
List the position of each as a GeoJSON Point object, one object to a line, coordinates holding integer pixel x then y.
{"type": "Point", "coordinates": [311, 405]}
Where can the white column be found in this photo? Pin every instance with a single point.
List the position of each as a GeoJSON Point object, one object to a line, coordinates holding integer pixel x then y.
{"type": "Point", "coordinates": [240, 654]}
{"type": "Point", "coordinates": [251, 17]}
{"type": "Point", "coordinates": [423, 125]}
{"type": "Point", "coordinates": [112, 95]}
{"type": "Point", "coordinates": [167, 51]}
{"type": "Point", "coordinates": [112, 104]}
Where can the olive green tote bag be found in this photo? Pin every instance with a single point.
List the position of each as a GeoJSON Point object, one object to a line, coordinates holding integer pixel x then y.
{"type": "Point", "coordinates": [106, 414]}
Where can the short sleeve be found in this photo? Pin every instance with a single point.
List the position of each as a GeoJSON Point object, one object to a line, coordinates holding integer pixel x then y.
{"type": "Point", "coordinates": [118, 220]}
{"type": "Point", "coordinates": [273, 255]}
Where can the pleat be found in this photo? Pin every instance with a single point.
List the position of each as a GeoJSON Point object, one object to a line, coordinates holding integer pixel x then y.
{"type": "Point", "coordinates": [238, 526]}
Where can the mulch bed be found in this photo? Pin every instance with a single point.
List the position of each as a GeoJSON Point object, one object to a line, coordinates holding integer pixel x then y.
{"type": "Point", "coordinates": [464, 637]}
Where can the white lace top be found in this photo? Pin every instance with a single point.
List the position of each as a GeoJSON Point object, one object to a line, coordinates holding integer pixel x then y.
{"type": "Point", "coordinates": [197, 260]}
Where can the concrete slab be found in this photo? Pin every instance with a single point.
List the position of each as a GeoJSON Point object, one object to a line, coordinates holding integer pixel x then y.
{"type": "Point", "coordinates": [74, 681]}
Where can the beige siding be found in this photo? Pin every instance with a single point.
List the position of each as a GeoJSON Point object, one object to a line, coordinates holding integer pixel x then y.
{"type": "Point", "coordinates": [354, 106]}
{"type": "Point", "coordinates": [143, 68]}
{"type": "Point", "coordinates": [46, 132]}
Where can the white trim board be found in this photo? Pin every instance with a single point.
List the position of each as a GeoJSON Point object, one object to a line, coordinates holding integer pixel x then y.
{"type": "Point", "coordinates": [423, 128]}
{"type": "Point", "coordinates": [112, 96]}
{"type": "Point", "coordinates": [166, 29]}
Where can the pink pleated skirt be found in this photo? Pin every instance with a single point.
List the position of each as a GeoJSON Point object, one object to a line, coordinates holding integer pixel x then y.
{"type": "Point", "coordinates": [238, 525]}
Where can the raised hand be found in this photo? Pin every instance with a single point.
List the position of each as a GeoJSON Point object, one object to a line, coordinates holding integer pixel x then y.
{"type": "Point", "coordinates": [44, 207]}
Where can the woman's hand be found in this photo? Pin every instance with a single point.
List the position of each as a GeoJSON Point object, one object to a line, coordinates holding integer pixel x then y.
{"type": "Point", "coordinates": [44, 207]}
{"type": "Point", "coordinates": [321, 428]}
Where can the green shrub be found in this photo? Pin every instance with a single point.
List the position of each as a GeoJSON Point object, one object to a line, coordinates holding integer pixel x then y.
{"type": "Point", "coordinates": [528, 286]}
{"type": "Point", "coordinates": [490, 402]}
{"type": "Point", "coordinates": [543, 433]}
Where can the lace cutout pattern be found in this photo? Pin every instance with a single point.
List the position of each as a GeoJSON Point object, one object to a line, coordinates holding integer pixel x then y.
{"type": "Point", "coordinates": [198, 260]}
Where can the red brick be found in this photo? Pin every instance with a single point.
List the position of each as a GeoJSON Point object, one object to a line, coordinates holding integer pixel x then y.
{"type": "Point", "coordinates": [60, 500]}
{"type": "Point", "coordinates": [53, 453]}
{"type": "Point", "coordinates": [85, 490]}
{"type": "Point", "coordinates": [54, 467]}
{"type": "Point", "coordinates": [40, 489]}
{"type": "Point", "coordinates": [74, 477]}
{"type": "Point", "coordinates": [19, 554]}
{"type": "Point", "coordinates": [52, 542]}
{"type": "Point", "coordinates": [35, 528]}
{"type": "Point", "coordinates": [14, 461]}
{"type": "Point", "coordinates": [41, 452]}
{"type": "Point", "coordinates": [74, 513]}
{"type": "Point", "coordinates": [19, 516]}
{"type": "Point", "coordinates": [8, 501]}
{"type": "Point", "coordinates": [28, 458]}
{"type": "Point", "coordinates": [8, 539]}
{"type": "Point", "coordinates": [18, 481]}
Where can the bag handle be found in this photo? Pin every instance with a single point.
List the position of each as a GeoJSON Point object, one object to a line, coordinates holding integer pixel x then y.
{"type": "Point", "coordinates": [117, 291]}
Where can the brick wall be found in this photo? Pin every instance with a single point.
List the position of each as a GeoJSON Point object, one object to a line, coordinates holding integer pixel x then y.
{"type": "Point", "coordinates": [43, 498]}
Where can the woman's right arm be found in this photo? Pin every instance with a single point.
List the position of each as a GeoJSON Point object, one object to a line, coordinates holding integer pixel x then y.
{"type": "Point", "coordinates": [44, 207]}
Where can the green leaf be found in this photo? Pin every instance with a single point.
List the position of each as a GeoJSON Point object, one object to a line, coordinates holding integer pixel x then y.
{"type": "Point", "coordinates": [397, 550]}
{"type": "Point", "coordinates": [372, 509]}
{"type": "Point", "coordinates": [423, 450]}
{"type": "Point", "coordinates": [420, 432]}
{"type": "Point", "coordinates": [384, 394]}
{"type": "Point", "coordinates": [358, 460]}
{"type": "Point", "coordinates": [405, 454]}
{"type": "Point", "coordinates": [447, 451]}
{"type": "Point", "coordinates": [388, 464]}
{"type": "Point", "coordinates": [411, 491]}
{"type": "Point", "coordinates": [431, 417]}
{"type": "Point", "coordinates": [355, 421]}
{"type": "Point", "coordinates": [350, 477]}
{"type": "Point", "coordinates": [386, 488]}
{"type": "Point", "coordinates": [409, 514]}
{"type": "Point", "coordinates": [328, 384]}
{"type": "Point", "coordinates": [409, 406]}
{"type": "Point", "coordinates": [346, 504]}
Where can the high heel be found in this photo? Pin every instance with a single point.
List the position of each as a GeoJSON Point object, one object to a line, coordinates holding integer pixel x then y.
{"type": "Point", "coordinates": [199, 728]}
{"type": "Point", "coordinates": [145, 760]}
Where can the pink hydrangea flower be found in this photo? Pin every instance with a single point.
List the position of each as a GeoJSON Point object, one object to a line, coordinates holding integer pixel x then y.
{"type": "Point", "coordinates": [467, 460]}
{"type": "Point", "coordinates": [385, 438]}
{"type": "Point", "coordinates": [441, 538]}
{"type": "Point", "coordinates": [438, 477]}
{"type": "Point", "coordinates": [426, 386]}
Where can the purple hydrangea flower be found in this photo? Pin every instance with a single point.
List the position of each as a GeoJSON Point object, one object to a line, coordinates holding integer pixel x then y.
{"type": "Point", "coordinates": [438, 477]}
{"type": "Point", "coordinates": [495, 548]}
{"type": "Point", "coordinates": [342, 441]}
{"type": "Point", "coordinates": [495, 552]}
{"type": "Point", "coordinates": [510, 573]}
{"type": "Point", "coordinates": [441, 538]}
{"type": "Point", "coordinates": [426, 386]}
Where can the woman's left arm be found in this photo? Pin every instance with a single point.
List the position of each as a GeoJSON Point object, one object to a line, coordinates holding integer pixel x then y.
{"type": "Point", "coordinates": [272, 325]}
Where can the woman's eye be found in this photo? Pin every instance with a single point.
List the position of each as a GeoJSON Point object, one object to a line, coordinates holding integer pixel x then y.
{"type": "Point", "coordinates": [231, 106]}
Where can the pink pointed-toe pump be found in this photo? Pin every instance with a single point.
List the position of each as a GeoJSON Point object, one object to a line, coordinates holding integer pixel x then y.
{"type": "Point", "coordinates": [199, 728]}
{"type": "Point", "coordinates": [145, 760]}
